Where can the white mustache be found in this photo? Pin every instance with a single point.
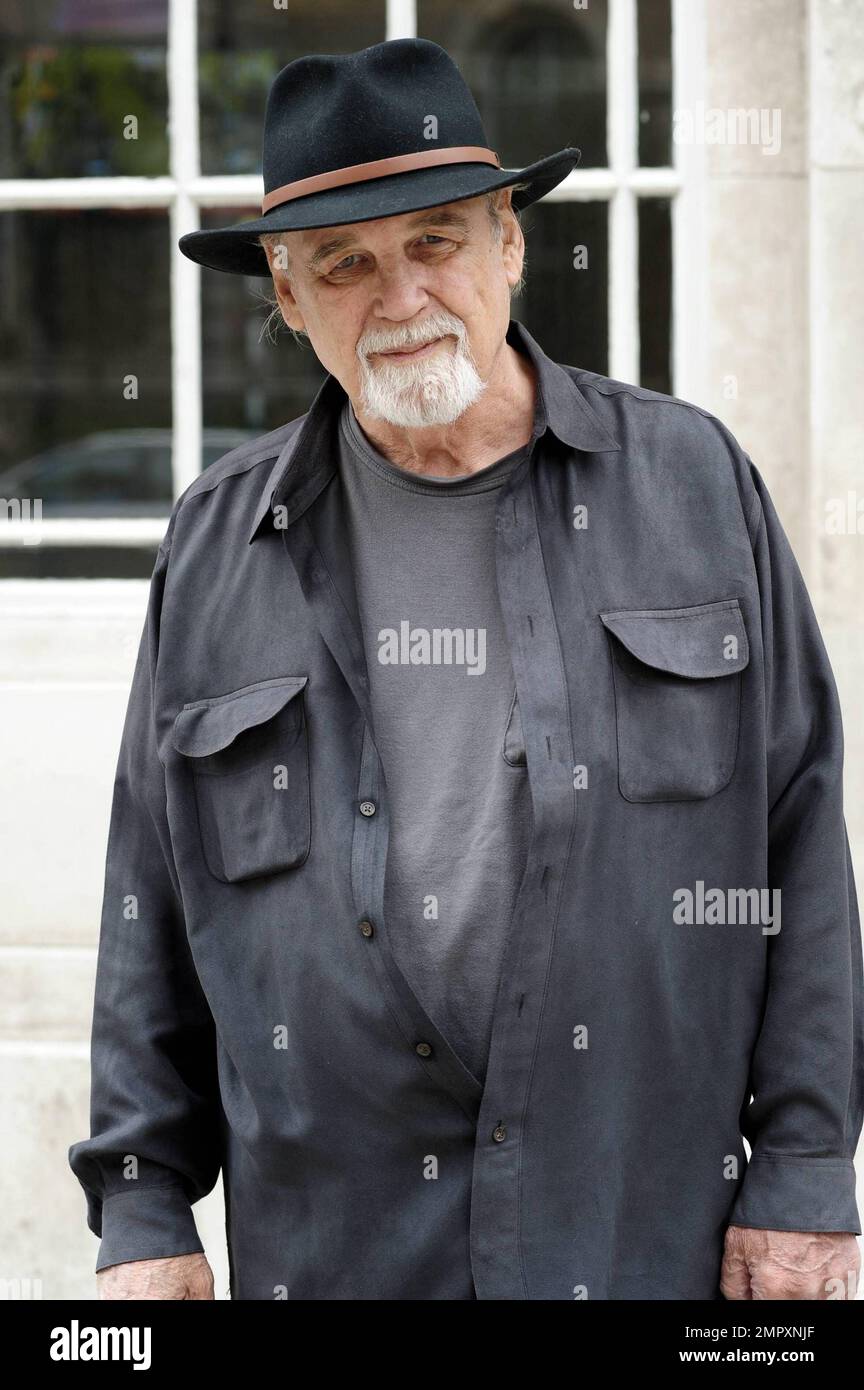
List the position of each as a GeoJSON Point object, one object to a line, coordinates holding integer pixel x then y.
{"type": "Point", "coordinates": [428, 332]}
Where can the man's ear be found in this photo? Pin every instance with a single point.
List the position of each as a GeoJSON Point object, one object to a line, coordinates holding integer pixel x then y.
{"type": "Point", "coordinates": [513, 238]}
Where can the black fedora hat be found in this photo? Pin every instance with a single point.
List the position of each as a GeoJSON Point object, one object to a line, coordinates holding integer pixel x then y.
{"type": "Point", "coordinates": [356, 136]}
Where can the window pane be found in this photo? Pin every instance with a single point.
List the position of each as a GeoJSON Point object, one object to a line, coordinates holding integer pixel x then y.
{"type": "Point", "coordinates": [655, 293]}
{"type": "Point", "coordinates": [85, 361]}
{"type": "Point", "coordinates": [241, 47]}
{"type": "Point", "coordinates": [77, 561]}
{"type": "Point", "coordinates": [84, 88]}
{"type": "Point", "coordinates": [251, 384]}
{"type": "Point", "coordinates": [538, 75]}
{"type": "Point", "coordinates": [564, 304]}
{"type": "Point", "coordinates": [655, 82]}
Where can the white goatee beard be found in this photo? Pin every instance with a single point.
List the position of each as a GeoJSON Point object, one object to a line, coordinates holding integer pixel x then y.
{"type": "Point", "coordinates": [433, 391]}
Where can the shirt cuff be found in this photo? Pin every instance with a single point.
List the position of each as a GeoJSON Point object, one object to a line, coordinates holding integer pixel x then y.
{"type": "Point", "coordinates": [147, 1223]}
{"type": "Point", "coordinates": [784, 1193]}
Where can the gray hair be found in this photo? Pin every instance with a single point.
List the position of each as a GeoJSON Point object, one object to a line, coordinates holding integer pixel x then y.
{"type": "Point", "coordinates": [274, 320]}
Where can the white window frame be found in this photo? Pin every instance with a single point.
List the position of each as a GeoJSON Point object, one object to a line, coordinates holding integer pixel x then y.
{"type": "Point", "coordinates": [184, 192]}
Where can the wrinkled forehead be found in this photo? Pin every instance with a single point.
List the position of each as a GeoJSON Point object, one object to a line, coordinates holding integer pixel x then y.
{"type": "Point", "coordinates": [319, 241]}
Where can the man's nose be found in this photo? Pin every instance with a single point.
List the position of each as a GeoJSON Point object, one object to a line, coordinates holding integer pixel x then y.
{"type": "Point", "coordinates": [400, 293]}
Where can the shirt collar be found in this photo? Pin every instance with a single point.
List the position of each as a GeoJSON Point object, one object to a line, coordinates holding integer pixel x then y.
{"type": "Point", "coordinates": [561, 407]}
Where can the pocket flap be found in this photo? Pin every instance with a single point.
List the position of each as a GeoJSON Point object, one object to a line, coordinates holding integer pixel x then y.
{"type": "Point", "coordinates": [207, 726]}
{"type": "Point", "coordinates": [692, 642]}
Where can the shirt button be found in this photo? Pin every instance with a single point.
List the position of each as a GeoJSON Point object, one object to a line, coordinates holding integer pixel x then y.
{"type": "Point", "coordinates": [499, 1134]}
{"type": "Point", "coordinates": [424, 1049]}
{"type": "Point", "coordinates": [367, 808]}
{"type": "Point", "coordinates": [367, 927]}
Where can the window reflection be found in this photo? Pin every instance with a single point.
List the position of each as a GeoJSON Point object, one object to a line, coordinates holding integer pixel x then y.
{"type": "Point", "coordinates": [564, 303]}
{"type": "Point", "coordinates": [655, 82]}
{"type": "Point", "coordinates": [251, 383]}
{"type": "Point", "coordinates": [83, 89]}
{"type": "Point", "coordinates": [85, 361]}
{"type": "Point", "coordinates": [537, 72]}
{"type": "Point", "coordinates": [655, 293]}
{"type": "Point", "coordinates": [241, 47]}
{"type": "Point", "coordinates": [77, 561]}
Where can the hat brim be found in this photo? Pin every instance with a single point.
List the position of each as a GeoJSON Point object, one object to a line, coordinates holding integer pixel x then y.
{"type": "Point", "coordinates": [237, 250]}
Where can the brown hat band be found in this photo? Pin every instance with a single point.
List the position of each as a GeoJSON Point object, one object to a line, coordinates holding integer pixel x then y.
{"type": "Point", "coordinates": [378, 169]}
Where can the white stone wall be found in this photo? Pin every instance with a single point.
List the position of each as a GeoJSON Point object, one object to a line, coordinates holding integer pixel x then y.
{"type": "Point", "coordinates": [786, 297]}
{"type": "Point", "coordinates": [67, 652]}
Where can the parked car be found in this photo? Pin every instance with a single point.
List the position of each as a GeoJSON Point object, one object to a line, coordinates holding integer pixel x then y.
{"type": "Point", "coordinates": [118, 473]}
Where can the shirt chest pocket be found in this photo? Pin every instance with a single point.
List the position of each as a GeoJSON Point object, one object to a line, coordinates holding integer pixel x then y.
{"type": "Point", "coordinates": [248, 756]}
{"type": "Point", "coordinates": [677, 680]}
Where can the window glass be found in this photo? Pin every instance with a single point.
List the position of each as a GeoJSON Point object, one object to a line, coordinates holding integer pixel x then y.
{"type": "Point", "coordinates": [655, 82]}
{"type": "Point", "coordinates": [564, 304]}
{"type": "Point", "coordinates": [241, 47]}
{"type": "Point", "coordinates": [85, 361]}
{"type": "Point", "coordinates": [537, 72]}
{"type": "Point", "coordinates": [83, 90]}
{"type": "Point", "coordinates": [252, 383]}
{"type": "Point", "coordinates": [77, 561]}
{"type": "Point", "coordinates": [655, 293]}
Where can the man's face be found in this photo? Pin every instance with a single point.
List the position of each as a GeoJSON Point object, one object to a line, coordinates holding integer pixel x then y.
{"type": "Point", "coordinates": [408, 312]}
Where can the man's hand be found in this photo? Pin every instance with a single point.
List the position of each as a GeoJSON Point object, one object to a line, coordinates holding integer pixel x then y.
{"type": "Point", "coordinates": [177, 1276]}
{"type": "Point", "coordinates": [789, 1264]}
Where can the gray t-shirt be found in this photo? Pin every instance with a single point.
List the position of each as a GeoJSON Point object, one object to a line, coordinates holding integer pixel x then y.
{"type": "Point", "coordinates": [442, 689]}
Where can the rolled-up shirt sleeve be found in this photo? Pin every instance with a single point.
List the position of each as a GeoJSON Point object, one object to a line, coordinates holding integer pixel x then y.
{"type": "Point", "coordinates": [154, 1145]}
{"type": "Point", "coordinates": [804, 1114]}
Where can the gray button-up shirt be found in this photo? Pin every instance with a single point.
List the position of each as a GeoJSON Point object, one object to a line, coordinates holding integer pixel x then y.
{"type": "Point", "coordinates": [683, 965]}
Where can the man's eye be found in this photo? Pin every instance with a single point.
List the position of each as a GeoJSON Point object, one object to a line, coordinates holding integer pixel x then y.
{"type": "Point", "coordinates": [349, 262]}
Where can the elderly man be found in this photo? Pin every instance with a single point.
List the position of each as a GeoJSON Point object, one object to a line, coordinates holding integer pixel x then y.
{"type": "Point", "coordinates": [477, 879]}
